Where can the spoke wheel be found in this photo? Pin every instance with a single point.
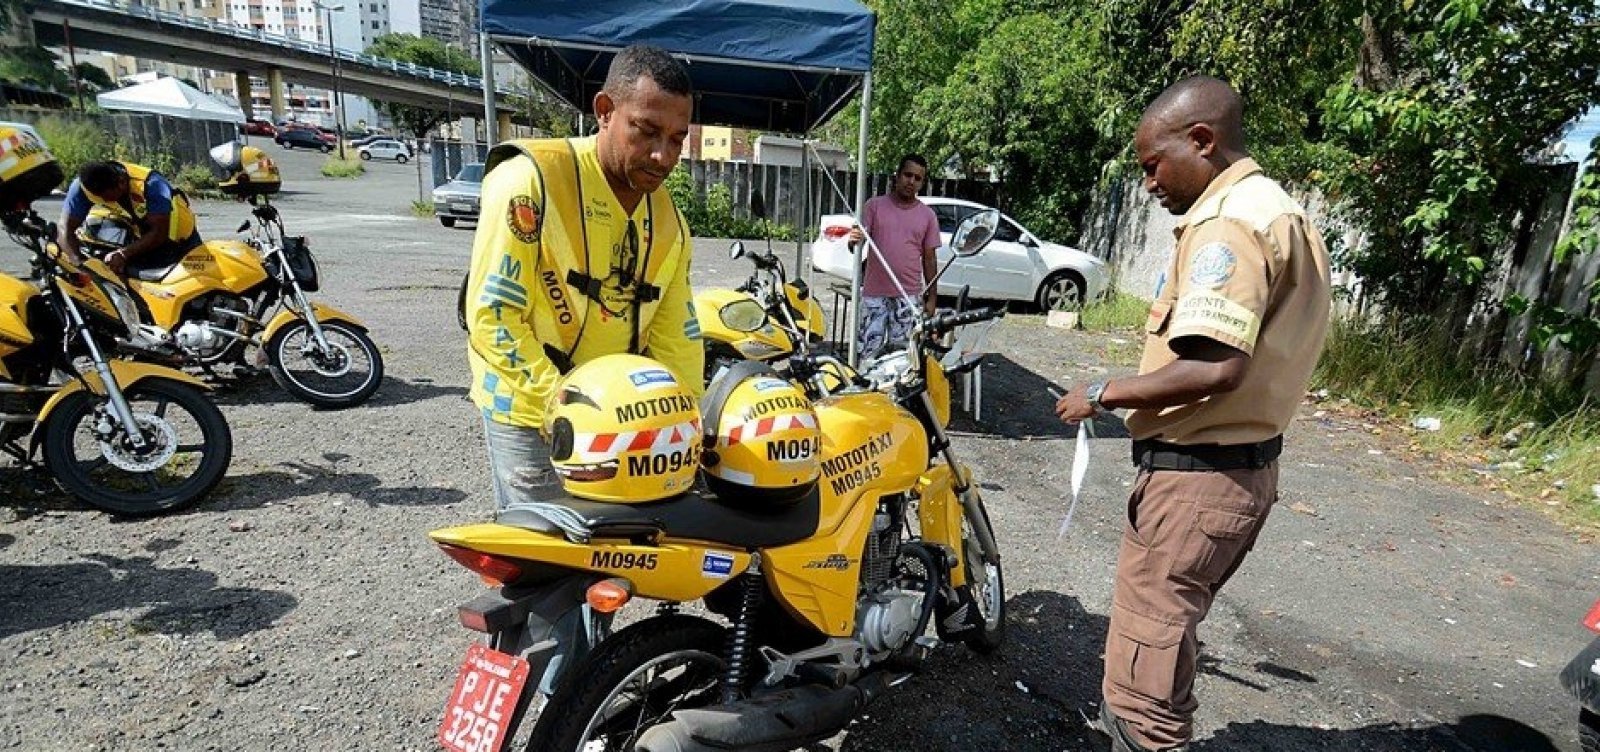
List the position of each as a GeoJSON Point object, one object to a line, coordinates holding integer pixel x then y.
{"type": "Point", "coordinates": [633, 681]}
{"type": "Point", "coordinates": [988, 591]}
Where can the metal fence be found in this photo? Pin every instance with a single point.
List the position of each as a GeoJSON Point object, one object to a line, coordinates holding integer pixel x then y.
{"type": "Point", "coordinates": [145, 136]}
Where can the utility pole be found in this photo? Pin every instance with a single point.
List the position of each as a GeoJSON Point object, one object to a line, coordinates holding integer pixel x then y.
{"type": "Point", "coordinates": [72, 59]}
{"type": "Point", "coordinates": [338, 101]}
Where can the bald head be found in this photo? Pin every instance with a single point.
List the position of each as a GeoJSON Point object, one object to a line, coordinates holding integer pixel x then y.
{"type": "Point", "coordinates": [1187, 137]}
{"type": "Point", "coordinates": [1201, 100]}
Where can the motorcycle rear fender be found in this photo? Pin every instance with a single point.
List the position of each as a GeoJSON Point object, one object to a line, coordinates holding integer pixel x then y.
{"type": "Point", "coordinates": [324, 313]}
{"type": "Point", "coordinates": [675, 571]}
{"type": "Point", "coordinates": [125, 372]}
{"type": "Point", "coordinates": [940, 514]}
{"type": "Point", "coordinates": [1581, 677]}
{"type": "Point", "coordinates": [548, 625]}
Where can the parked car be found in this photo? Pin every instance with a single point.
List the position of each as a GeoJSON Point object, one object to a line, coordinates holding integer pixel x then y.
{"type": "Point", "coordinates": [458, 199]}
{"type": "Point", "coordinates": [303, 138]}
{"type": "Point", "coordinates": [259, 127]}
{"type": "Point", "coordinates": [385, 148]}
{"type": "Point", "coordinates": [364, 140]}
{"type": "Point", "coordinates": [1018, 265]}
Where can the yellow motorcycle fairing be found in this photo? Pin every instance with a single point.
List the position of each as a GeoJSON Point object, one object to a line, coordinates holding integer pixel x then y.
{"type": "Point", "coordinates": [938, 385]}
{"type": "Point", "coordinates": [126, 373]}
{"type": "Point", "coordinates": [217, 265]}
{"type": "Point", "coordinates": [871, 447]}
{"type": "Point", "coordinates": [765, 343]}
{"type": "Point", "coordinates": [324, 313]}
{"type": "Point", "coordinates": [672, 571]}
{"type": "Point", "coordinates": [14, 331]}
{"type": "Point", "coordinates": [939, 514]}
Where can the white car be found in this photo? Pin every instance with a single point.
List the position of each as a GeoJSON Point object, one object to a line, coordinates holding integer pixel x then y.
{"type": "Point", "coordinates": [385, 148]}
{"type": "Point", "coordinates": [1016, 266]}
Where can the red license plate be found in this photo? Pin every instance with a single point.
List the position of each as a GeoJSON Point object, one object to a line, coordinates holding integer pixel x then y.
{"type": "Point", "coordinates": [478, 716]}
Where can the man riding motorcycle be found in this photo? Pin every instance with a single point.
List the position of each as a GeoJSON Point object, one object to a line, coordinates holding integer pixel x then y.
{"type": "Point", "coordinates": [579, 256]}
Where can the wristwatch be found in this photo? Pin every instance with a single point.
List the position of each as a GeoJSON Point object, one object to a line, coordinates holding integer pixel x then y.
{"type": "Point", "coordinates": [1093, 395]}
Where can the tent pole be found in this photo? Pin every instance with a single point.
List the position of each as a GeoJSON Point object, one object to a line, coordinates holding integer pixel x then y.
{"type": "Point", "coordinates": [804, 225]}
{"type": "Point", "coordinates": [861, 203]}
{"type": "Point", "coordinates": [491, 122]}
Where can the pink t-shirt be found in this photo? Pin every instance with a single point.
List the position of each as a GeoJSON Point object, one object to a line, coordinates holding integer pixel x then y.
{"type": "Point", "coordinates": [902, 233]}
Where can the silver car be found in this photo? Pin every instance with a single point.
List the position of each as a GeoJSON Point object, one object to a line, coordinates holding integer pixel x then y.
{"type": "Point", "coordinates": [458, 199]}
{"type": "Point", "coordinates": [1017, 265]}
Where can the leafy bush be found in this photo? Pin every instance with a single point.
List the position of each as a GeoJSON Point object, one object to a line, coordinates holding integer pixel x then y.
{"type": "Point", "coordinates": [714, 217]}
{"type": "Point", "coordinates": [335, 167]}
{"type": "Point", "coordinates": [75, 143]}
{"type": "Point", "coordinates": [195, 180]}
{"type": "Point", "coordinates": [1119, 311]}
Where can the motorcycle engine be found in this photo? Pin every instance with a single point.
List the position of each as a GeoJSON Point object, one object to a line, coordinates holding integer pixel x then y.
{"type": "Point", "coordinates": [890, 607]}
{"type": "Point", "coordinates": [202, 338]}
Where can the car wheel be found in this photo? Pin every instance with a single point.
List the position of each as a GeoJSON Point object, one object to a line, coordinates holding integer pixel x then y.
{"type": "Point", "coordinates": [366, 156]}
{"type": "Point", "coordinates": [401, 158]}
{"type": "Point", "coordinates": [286, 145]}
{"type": "Point", "coordinates": [1063, 290]}
{"type": "Point", "coordinates": [326, 149]}
{"type": "Point", "coordinates": [447, 221]}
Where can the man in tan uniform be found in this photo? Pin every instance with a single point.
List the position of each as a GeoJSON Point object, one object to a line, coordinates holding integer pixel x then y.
{"type": "Point", "coordinates": [1235, 331]}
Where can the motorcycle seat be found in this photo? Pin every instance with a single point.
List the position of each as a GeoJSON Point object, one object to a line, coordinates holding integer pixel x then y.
{"type": "Point", "coordinates": [150, 272]}
{"type": "Point", "coordinates": [697, 515]}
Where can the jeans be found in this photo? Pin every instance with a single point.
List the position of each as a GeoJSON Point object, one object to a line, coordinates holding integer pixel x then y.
{"type": "Point", "coordinates": [519, 463]}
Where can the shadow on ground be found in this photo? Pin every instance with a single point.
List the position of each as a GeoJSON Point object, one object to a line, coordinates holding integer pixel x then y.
{"type": "Point", "coordinates": [1017, 404]}
{"type": "Point", "coordinates": [260, 389]}
{"type": "Point", "coordinates": [296, 480]}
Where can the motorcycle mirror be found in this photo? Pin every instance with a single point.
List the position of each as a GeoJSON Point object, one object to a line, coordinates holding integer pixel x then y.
{"type": "Point", "coordinates": [736, 251]}
{"type": "Point", "coordinates": [974, 233]}
{"type": "Point", "coordinates": [758, 206]}
{"type": "Point", "coordinates": [245, 225]}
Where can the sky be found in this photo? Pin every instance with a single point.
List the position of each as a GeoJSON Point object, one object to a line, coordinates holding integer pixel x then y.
{"type": "Point", "coordinates": [1578, 139]}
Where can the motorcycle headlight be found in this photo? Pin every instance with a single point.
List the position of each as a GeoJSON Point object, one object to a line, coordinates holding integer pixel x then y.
{"type": "Point", "coordinates": [743, 315]}
{"type": "Point", "coordinates": [126, 308]}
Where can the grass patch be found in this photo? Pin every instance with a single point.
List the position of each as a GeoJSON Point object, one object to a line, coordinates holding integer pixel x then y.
{"type": "Point", "coordinates": [1119, 311]}
{"type": "Point", "coordinates": [335, 167]}
{"type": "Point", "coordinates": [421, 209]}
{"type": "Point", "coordinates": [1411, 372]}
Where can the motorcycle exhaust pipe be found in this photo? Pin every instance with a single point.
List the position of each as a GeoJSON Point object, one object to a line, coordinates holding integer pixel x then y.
{"type": "Point", "coordinates": [775, 722]}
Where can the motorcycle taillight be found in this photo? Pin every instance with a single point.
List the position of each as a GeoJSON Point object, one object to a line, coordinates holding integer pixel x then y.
{"type": "Point", "coordinates": [494, 570]}
{"type": "Point", "coordinates": [1592, 619]}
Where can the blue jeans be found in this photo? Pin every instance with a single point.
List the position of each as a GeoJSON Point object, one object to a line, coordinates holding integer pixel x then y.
{"type": "Point", "coordinates": [519, 463]}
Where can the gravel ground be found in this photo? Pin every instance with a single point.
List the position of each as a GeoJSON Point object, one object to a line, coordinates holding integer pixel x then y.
{"type": "Point", "coordinates": [303, 606]}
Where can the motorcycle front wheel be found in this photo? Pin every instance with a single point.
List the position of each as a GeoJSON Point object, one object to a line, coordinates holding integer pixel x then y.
{"type": "Point", "coordinates": [187, 449]}
{"type": "Point", "coordinates": [344, 374]}
{"type": "Point", "coordinates": [631, 682]}
{"type": "Point", "coordinates": [988, 590]}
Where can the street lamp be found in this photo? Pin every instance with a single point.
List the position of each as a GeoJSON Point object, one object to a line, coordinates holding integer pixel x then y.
{"type": "Point", "coordinates": [338, 101]}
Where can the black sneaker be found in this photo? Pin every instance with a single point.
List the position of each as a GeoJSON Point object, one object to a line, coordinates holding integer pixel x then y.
{"type": "Point", "coordinates": [1122, 741]}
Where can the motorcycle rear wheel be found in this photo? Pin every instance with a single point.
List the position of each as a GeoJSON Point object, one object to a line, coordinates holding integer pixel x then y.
{"type": "Point", "coordinates": [82, 467]}
{"type": "Point", "coordinates": [326, 380]}
{"type": "Point", "coordinates": [662, 652]}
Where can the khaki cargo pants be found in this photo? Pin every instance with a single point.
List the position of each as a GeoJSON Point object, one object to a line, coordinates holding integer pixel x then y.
{"type": "Point", "coordinates": [1186, 534]}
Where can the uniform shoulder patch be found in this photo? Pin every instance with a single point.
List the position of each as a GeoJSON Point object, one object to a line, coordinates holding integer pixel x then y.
{"type": "Point", "coordinates": [1212, 265]}
{"type": "Point", "coordinates": [523, 217]}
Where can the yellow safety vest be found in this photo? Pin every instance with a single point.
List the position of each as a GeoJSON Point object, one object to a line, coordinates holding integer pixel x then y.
{"type": "Point", "coordinates": [180, 225]}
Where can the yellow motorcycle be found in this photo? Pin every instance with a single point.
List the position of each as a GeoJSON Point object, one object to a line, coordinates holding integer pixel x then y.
{"type": "Point", "coordinates": [829, 599]}
{"type": "Point", "coordinates": [130, 438]}
{"type": "Point", "coordinates": [216, 301]}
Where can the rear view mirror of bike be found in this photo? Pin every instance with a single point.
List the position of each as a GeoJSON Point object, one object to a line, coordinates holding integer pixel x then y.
{"type": "Point", "coordinates": [975, 232]}
{"type": "Point", "coordinates": [736, 251]}
{"type": "Point", "coordinates": [245, 225]}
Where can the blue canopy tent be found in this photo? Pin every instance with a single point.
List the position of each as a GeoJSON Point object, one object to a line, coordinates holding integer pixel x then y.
{"type": "Point", "coordinates": [773, 65]}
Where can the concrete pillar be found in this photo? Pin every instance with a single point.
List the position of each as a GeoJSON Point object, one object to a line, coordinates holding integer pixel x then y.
{"type": "Point", "coordinates": [502, 125]}
{"type": "Point", "coordinates": [241, 85]}
{"type": "Point", "coordinates": [275, 90]}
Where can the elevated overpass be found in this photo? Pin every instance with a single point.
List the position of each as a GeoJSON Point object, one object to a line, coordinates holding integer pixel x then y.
{"type": "Point", "coordinates": [201, 42]}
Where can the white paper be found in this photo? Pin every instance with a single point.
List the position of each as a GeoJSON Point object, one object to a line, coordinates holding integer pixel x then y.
{"type": "Point", "coordinates": [1080, 468]}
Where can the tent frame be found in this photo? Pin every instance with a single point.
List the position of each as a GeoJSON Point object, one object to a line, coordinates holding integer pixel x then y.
{"type": "Point", "coordinates": [488, 41]}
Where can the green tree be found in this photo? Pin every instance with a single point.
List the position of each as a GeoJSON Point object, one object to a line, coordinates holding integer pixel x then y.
{"type": "Point", "coordinates": [410, 48]}
{"type": "Point", "coordinates": [33, 65]}
{"type": "Point", "coordinates": [95, 76]}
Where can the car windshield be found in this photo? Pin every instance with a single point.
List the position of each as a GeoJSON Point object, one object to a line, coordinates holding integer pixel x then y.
{"type": "Point", "coordinates": [472, 173]}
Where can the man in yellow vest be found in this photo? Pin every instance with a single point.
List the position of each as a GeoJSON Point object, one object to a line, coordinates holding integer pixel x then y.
{"type": "Point", "coordinates": [142, 197]}
{"type": "Point", "coordinates": [579, 255]}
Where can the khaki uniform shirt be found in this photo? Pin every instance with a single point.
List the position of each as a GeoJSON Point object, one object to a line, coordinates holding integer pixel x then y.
{"type": "Point", "coordinates": [1250, 271]}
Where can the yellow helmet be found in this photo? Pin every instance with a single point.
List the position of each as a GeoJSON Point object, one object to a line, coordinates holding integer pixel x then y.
{"type": "Point", "coordinates": [621, 428]}
{"type": "Point", "coordinates": [762, 442]}
{"type": "Point", "coordinates": [248, 171]}
{"type": "Point", "coordinates": [28, 170]}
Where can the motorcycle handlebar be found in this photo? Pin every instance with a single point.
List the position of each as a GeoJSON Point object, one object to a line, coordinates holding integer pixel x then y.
{"type": "Point", "coordinates": [946, 322]}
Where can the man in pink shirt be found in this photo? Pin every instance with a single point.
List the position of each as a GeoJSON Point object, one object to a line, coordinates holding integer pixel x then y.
{"type": "Point", "coordinates": [907, 233]}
